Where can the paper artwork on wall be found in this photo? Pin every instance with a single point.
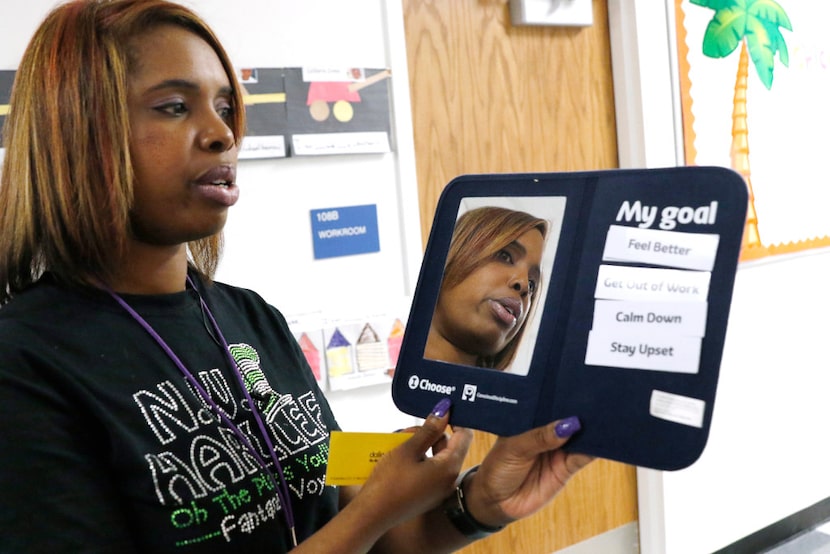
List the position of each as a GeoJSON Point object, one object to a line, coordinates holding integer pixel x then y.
{"type": "Point", "coordinates": [301, 111]}
{"type": "Point", "coordinates": [754, 82]}
{"type": "Point", "coordinates": [308, 332]}
{"type": "Point", "coordinates": [371, 352]}
{"type": "Point", "coordinates": [358, 350]}
{"type": "Point", "coordinates": [394, 341]}
{"type": "Point", "coordinates": [312, 355]}
{"type": "Point", "coordinates": [338, 111]}
{"type": "Point", "coordinates": [352, 346]}
{"type": "Point", "coordinates": [338, 354]}
{"type": "Point", "coordinates": [267, 121]}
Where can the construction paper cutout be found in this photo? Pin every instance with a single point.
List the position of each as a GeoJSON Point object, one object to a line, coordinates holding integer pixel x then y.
{"type": "Point", "coordinates": [339, 355]}
{"type": "Point", "coordinates": [371, 352]}
{"type": "Point", "coordinates": [394, 342]}
{"type": "Point", "coordinates": [312, 355]}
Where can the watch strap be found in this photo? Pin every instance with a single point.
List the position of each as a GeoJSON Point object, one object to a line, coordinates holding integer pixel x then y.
{"type": "Point", "coordinates": [455, 507]}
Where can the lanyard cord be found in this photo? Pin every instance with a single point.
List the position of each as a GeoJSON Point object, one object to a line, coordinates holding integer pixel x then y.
{"type": "Point", "coordinates": [282, 487]}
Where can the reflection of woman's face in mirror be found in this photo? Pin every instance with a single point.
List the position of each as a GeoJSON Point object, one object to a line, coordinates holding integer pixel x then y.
{"type": "Point", "coordinates": [491, 277]}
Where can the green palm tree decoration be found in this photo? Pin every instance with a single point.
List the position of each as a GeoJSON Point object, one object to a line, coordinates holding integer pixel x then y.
{"type": "Point", "coordinates": [756, 26]}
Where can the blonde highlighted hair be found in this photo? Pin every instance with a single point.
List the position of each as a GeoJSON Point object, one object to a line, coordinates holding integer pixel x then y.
{"type": "Point", "coordinates": [67, 182]}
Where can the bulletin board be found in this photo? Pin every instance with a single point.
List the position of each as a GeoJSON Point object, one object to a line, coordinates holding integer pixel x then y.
{"type": "Point", "coordinates": [753, 92]}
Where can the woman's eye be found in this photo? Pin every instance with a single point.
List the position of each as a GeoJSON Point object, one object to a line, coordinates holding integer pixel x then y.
{"type": "Point", "coordinates": [225, 112]}
{"type": "Point", "coordinates": [504, 256]}
{"type": "Point", "coordinates": [173, 108]}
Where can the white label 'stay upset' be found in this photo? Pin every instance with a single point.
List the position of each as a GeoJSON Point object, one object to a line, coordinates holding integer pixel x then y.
{"type": "Point", "coordinates": [642, 283]}
{"type": "Point", "coordinates": [639, 351]}
{"type": "Point", "coordinates": [666, 248]}
{"type": "Point", "coordinates": [676, 408]}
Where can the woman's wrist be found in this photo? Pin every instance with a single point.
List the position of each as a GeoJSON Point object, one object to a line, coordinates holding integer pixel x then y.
{"type": "Point", "coordinates": [457, 509]}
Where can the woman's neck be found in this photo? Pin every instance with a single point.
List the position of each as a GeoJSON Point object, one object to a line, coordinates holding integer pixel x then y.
{"type": "Point", "coordinates": [151, 271]}
{"type": "Point", "coordinates": [439, 348]}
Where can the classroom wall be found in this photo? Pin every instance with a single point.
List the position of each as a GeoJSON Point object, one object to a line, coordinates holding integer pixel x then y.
{"type": "Point", "coordinates": [768, 453]}
{"type": "Point", "coordinates": [767, 456]}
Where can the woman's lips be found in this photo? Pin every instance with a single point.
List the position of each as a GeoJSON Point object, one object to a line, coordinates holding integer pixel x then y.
{"type": "Point", "coordinates": [218, 184]}
{"type": "Point", "coordinates": [226, 195]}
{"type": "Point", "coordinates": [507, 310]}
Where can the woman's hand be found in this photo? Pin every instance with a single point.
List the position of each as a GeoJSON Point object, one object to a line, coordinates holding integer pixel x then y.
{"type": "Point", "coordinates": [406, 482]}
{"type": "Point", "coordinates": [522, 473]}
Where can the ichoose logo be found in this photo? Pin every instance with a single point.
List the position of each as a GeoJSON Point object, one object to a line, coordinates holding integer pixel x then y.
{"type": "Point", "coordinates": [416, 382]}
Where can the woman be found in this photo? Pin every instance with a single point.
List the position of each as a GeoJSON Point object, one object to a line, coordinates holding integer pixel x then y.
{"type": "Point", "coordinates": [490, 287]}
{"type": "Point", "coordinates": [144, 407]}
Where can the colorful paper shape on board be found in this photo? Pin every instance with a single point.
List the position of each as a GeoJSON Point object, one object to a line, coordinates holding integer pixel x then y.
{"type": "Point", "coordinates": [393, 342]}
{"type": "Point", "coordinates": [325, 91]}
{"type": "Point", "coordinates": [265, 109]}
{"type": "Point", "coordinates": [371, 351]}
{"type": "Point", "coordinates": [312, 355]}
{"type": "Point", "coordinates": [339, 355]}
{"type": "Point", "coordinates": [338, 111]}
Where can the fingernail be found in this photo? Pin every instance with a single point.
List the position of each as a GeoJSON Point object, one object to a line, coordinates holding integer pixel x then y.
{"type": "Point", "coordinates": [567, 427]}
{"type": "Point", "coordinates": [441, 409]}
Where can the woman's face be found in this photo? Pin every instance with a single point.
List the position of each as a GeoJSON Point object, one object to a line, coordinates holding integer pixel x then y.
{"type": "Point", "coordinates": [183, 150]}
{"type": "Point", "coordinates": [482, 314]}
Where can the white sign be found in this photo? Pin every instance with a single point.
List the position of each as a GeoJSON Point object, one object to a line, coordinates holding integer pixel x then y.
{"type": "Point", "coordinates": [666, 248]}
{"type": "Point", "coordinates": [652, 284]}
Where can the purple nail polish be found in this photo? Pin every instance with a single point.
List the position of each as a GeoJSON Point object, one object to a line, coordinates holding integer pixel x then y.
{"type": "Point", "coordinates": [441, 409]}
{"type": "Point", "coordinates": [568, 427]}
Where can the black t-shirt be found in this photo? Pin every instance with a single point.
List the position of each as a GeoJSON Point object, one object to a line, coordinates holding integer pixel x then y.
{"type": "Point", "coordinates": [106, 447]}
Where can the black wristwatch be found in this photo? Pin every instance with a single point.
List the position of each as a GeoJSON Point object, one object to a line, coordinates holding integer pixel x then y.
{"type": "Point", "coordinates": [455, 506]}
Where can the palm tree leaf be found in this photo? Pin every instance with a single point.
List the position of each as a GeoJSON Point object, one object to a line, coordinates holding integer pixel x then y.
{"type": "Point", "coordinates": [779, 45]}
{"type": "Point", "coordinates": [769, 11]}
{"type": "Point", "coordinates": [724, 32]}
{"type": "Point", "coordinates": [760, 52]}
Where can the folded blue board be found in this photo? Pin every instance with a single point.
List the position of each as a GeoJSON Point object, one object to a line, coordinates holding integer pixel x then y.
{"type": "Point", "coordinates": [600, 294]}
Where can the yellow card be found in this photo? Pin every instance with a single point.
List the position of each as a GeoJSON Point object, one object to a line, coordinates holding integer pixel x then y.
{"type": "Point", "coordinates": [352, 456]}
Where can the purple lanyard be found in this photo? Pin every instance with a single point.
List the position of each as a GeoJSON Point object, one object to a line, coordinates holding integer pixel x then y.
{"type": "Point", "coordinates": [282, 486]}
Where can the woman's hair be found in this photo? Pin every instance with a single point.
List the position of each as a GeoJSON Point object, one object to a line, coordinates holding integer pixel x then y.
{"type": "Point", "coordinates": [478, 236]}
{"type": "Point", "coordinates": [67, 182]}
